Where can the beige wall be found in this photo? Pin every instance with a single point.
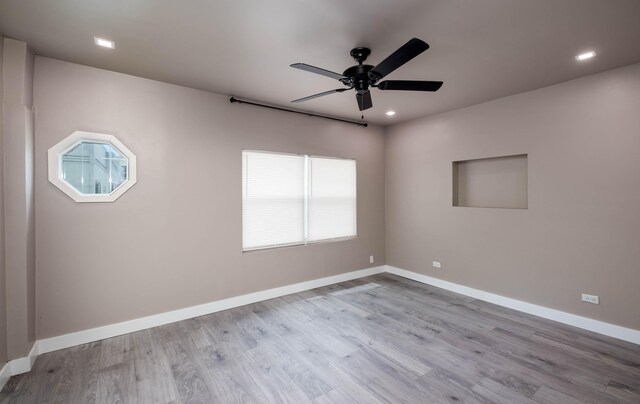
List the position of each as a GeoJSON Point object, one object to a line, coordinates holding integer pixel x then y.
{"type": "Point", "coordinates": [581, 231]}
{"type": "Point", "coordinates": [18, 187]}
{"type": "Point", "coordinates": [174, 239]}
{"type": "Point", "coordinates": [3, 300]}
{"type": "Point", "coordinates": [159, 248]}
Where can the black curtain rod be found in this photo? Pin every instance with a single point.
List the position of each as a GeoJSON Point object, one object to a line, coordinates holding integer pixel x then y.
{"type": "Point", "coordinates": [234, 99]}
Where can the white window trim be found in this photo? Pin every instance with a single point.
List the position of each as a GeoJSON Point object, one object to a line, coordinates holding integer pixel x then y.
{"type": "Point", "coordinates": [302, 244]}
{"type": "Point", "coordinates": [306, 241]}
{"type": "Point", "coordinates": [55, 166]}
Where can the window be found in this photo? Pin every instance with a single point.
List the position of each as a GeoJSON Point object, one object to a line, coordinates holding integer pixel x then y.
{"type": "Point", "coordinates": [273, 200]}
{"type": "Point", "coordinates": [92, 167]}
{"type": "Point", "coordinates": [294, 199]}
{"type": "Point", "coordinates": [331, 198]}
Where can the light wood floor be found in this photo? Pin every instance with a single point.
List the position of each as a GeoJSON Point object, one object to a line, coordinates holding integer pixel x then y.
{"type": "Point", "coordinates": [379, 339]}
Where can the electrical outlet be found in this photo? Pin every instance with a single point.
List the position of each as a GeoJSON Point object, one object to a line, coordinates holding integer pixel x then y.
{"type": "Point", "coordinates": [371, 259]}
{"type": "Point", "coordinates": [436, 264]}
{"type": "Point", "coordinates": [590, 298]}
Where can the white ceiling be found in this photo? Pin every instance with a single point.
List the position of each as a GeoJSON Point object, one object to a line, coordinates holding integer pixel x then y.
{"type": "Point", "coordinates": [481, 49]}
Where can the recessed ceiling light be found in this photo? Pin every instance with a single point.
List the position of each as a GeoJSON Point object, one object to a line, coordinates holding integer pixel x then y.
{"type": "Point", "coordinates": [105, 43]}
{"type": "Point", "coordinates": [585, 56]}
{"type": "Point", "coordinates": [391, 113]}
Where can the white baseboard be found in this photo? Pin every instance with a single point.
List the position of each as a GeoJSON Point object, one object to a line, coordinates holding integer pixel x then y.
{"type": "Point", "coordinates": [5, 374]}
{"type": "Point", "coordinates": [18, 366]}
{"type": "Point", "coordinates": [22, 365]}
{"type": "Point", "coordinates": [600, 327]}
{"type": "Point", "coordinates": [125, 327]}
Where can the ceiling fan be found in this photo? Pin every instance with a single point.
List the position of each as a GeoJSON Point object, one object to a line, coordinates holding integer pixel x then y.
{"type": "Point", "coordinates": [360, 77]}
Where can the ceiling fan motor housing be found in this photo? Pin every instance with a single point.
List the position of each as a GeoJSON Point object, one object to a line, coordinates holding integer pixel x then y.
{"type": "Point", "coordinates": [358, 77]}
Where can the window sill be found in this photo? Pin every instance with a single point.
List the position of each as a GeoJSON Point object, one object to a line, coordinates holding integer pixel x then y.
{"type": "Point", "coordinates": [310, 243]}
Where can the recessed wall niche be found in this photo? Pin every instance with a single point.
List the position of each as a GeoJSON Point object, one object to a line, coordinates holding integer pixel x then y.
{"type": "Point", "coordinates": [496, 182]}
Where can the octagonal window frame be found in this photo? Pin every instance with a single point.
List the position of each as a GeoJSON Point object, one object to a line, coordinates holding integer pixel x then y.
{"type": "Point", "coordinates": [56, 153]}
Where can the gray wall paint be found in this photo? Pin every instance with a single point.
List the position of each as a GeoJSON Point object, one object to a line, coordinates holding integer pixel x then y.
{"type": "Point", "coordinates": [174, 239]}
{"type": "Point", "coordinates": [3, 297]}
{"type": "Point", "coordinates": [159, 248]}
{"type": "Point", "coordinates": [18, 187]}
{"type": "Point", "coordinates": [581, 230]}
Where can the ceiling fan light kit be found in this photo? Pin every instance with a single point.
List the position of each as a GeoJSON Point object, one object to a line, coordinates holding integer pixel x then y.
{"type": "Point", "coordinates": [362, 77]}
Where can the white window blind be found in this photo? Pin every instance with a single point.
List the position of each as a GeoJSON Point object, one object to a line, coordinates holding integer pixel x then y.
{"type": "Point", "coordinates": [331, 198]}
{"type": "Point", "coordinates": [273, 200]}
{"type": "Point", "coordinates": [293, 199]}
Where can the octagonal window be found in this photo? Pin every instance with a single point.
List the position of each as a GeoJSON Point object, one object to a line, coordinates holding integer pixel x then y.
{"type": "Point", "coordinates": [92, 167]}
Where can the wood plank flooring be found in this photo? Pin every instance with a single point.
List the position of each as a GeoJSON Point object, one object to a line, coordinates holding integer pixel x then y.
{"type": "Point", "coordinates": [381, 339]}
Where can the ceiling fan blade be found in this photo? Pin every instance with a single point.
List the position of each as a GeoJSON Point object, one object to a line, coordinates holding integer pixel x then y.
{"type": "Point", "coordinates": [410, 85]}
{"type": "Point", "coordinates": [364, 100]}
{"type": "Point", "coordinates": [337, 90]}
{"type": "Point", "coordinates": [318, 70]}
{"type": "Point", "coordinates": [404, 54]}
